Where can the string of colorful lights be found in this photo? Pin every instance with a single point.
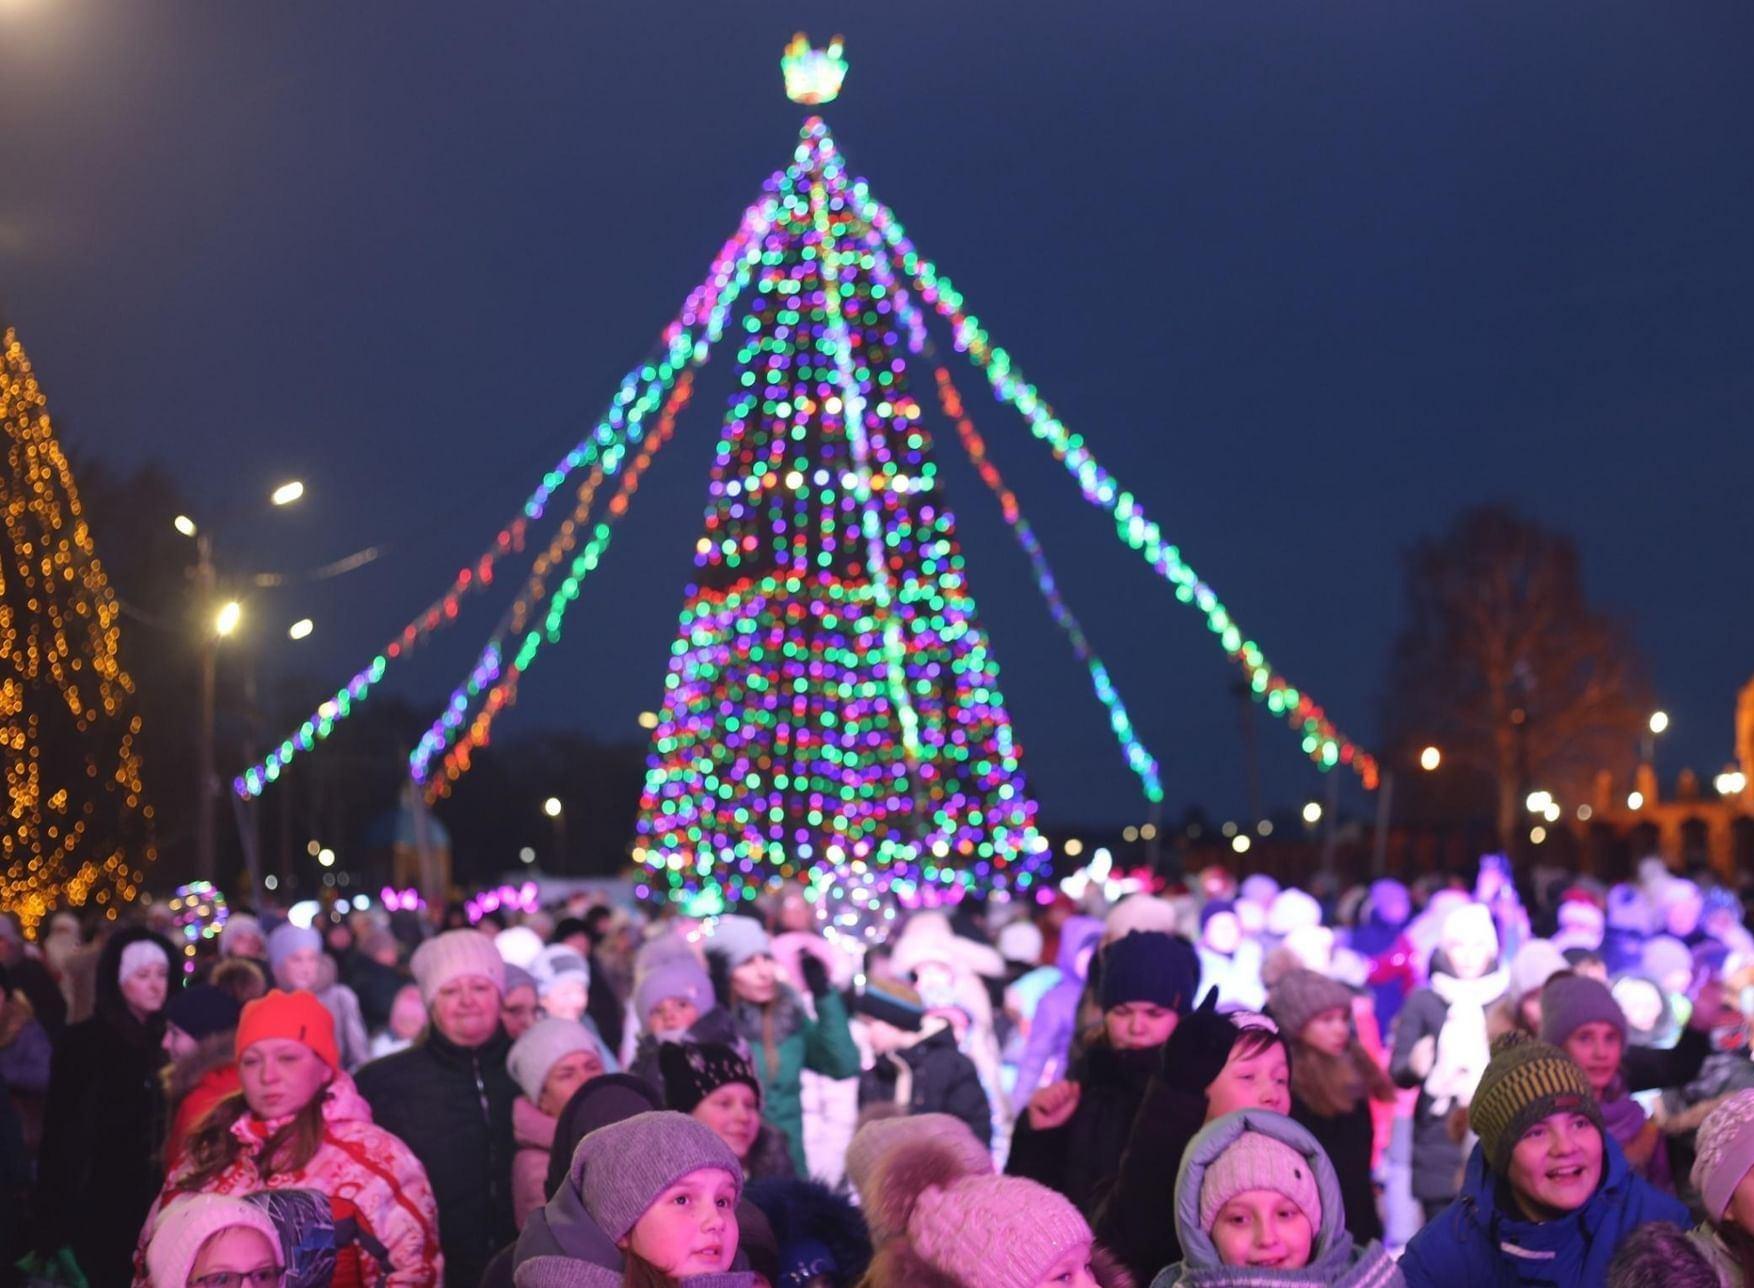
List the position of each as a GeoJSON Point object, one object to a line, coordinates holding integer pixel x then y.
{"type": "Point", "coordinates": [832, 708]}
{"type": "Point", "coordinates": [686, 341]}
{"type": "Point", "coordinates": [504, 691]}
{"type": "Point", "coordinates": [1139, 759]}
{"type": "Point", "coordinates": [1322, 741]}
{"type": "Point", "coordinates": [76, 829]}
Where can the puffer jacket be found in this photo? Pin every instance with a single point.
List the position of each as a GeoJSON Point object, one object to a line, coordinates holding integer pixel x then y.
{"type": "Point", "coordinates": [930, 1077]}
{"type": "Point", "coordinates": [369, 1176]}
{"type": "Point", "coordinates": [562, 1246]}
{"type": "Point", "coordinates": [1477, 1241]}
{"type": "Point", "coordinates": [1081, 1157]}
{"type": "Point", "coordinates": [1055, 1021]}
{"type": "Point", "coordinates": [1333, 1258]}
{"type": "Point", "coordinates": [453, 1107]}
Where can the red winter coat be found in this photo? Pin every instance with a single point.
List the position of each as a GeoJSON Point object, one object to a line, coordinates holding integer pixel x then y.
{"type": "Point", "coordinates": [211, 1088]}
{"type": "Point", "coordinates": [367, 1173]}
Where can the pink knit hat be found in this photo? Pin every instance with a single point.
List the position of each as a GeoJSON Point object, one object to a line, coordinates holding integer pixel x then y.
{"type": "Point", "coordinates": [1259, 1162]}
{"type": "Point", "coordinates": [879, 1138]}
{"type": "Point", "coordinates": [453, 955]}
{"type": "Point", "coordinates": [995, 1231]}
{"type": "Point", "coordinates": [186, 1225]}
{"type": "Point", "coordinates": [1725, 1153]}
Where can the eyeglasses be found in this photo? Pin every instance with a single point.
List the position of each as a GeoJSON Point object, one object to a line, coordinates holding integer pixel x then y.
{"type": "Point", "coordinates": [260, 1277]}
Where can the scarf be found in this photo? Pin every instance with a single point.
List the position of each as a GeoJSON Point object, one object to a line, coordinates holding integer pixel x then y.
{"type": "Point", "coordinates": [1625, 1119]}
{"type": "Point", "coordinates": [1343, 1266]}
{"type": "Point", "coordinates": [1462, 1047]}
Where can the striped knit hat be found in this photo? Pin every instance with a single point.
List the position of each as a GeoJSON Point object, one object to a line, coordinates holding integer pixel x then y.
{"type": "Point", "coordinates": [1525, 1082]}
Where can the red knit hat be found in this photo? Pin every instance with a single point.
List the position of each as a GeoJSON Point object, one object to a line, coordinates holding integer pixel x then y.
{"type": "Point", "coordinates": [298, 1016]}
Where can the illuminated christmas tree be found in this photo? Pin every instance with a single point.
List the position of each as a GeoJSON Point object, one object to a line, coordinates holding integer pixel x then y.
{"type": "Point", "coordinates": [77, 825]}
{"type": "Point", "coordinates": [832, 704]}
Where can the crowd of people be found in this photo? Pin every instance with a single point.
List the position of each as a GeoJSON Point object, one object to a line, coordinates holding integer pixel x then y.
{"type": "Point", "coordinates": [1226, 1083]}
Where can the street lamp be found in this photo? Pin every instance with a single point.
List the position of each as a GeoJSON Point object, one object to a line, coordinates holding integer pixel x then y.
{"type": "Point", "coordinates": [1312, 813]}
{"type": "Point", "coordinates": [301, 628]}
{"type": "Point", "coordinates": [1659, 722]}
{"type": "Point", "coordinates": [226, 620]}
{"type": "Point", "coordinates": [184, 524]}
{"type": "Point", "coordinates": [1430, 759]}
{"type": "Point", "coordinates": [1732, 782]}
{"type": "Point", "coordinates": [648, 720]}
{"type": "Point", "coordinates": [287, 492]}
{"type": "Point", "coordinates": [552, 807]}
{"type": "Point", "coordinates": [557, 814]}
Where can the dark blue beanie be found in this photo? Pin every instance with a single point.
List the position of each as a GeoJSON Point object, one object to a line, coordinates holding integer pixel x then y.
{"type": "Point", "coordinates": [1149, 966]}
{"type": "Point", "coordinates": [202, 1010]}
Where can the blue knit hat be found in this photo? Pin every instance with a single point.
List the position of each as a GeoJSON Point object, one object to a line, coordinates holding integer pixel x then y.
{"type": "Point", "coordinates": [1150, 967]}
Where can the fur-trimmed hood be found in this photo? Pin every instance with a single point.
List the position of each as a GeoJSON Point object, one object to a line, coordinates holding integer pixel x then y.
{"type": "Point", "coordinates": [181, 1076]}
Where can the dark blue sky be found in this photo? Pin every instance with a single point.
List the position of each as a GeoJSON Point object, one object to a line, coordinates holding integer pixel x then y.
{"type": "Point", "coordinates": [1310, 278]}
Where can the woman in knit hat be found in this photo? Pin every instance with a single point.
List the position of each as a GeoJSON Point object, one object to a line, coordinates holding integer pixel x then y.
{"type": "Point", "coordinates": [208, 1235]}
{"type": "Point", "coordinates": [955, 1228]}
{"type": "Point", "coordinates": [296, 961]}
{"type": "Point", "coordinates": [1580, 1015]}
{"type": "Point", "coordinates": [550, 1061]}
{"type": "Point", "coordinates": [1073, 1132]}
{"type": "Point", "coordinates": [1257, 1202]}
{"type": "Point", "coordinates": [648, 1201]}
{"type": "Point", "coordinates": [784, 1035]}
{"type": "Point", "coordinates": [1333, 1082]}
{"type": "Point", "coordinates": [1214, 1064]}
{"type": "Point", "coordinates": [1442, 1045]}
{"type": "Point", "coordinates": [1723, 1174]}
{"type": "Point", "coordinates": [298, 1124]}
{"type": "Point", "coordinates": [716, 1084]}
{"type": "Point", "coordinates": [1547, 1196]}
{"type": "Point", "coordinates": [104, 1114]}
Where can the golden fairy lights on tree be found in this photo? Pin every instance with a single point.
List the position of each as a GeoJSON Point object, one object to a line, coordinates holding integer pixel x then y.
{"type": "Point", "coordinates": [77, 825]}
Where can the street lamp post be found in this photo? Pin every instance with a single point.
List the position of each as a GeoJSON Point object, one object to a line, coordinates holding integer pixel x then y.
{"type": "Point", "coordinates": [557, 814]}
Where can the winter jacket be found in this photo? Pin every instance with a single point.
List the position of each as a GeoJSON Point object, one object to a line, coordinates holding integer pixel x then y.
{"type": "Point", "coordinates": [98, 1170]}
{"type": "Point", "coordinates": [562, 1246]}
{"type": "Point", "coordinates": [342, 1003]}
{"type": "Point", "coordinates": [1082, 1155]}
{"type": "Point", "coordinates": [1056, 1016]}
{"type": "Point", "coordinates": [1131, 1212]}
{"type": "Point", "coordinates": [1334, 1259]}
{"type": "Point", "coordinates": [376, 986]}
{"type": "Point", "coordinates": [715, 1026]}
{"type": "Point", "coordinates": [1480, 1240]}
{"type": "Point", "coordinates": [533, 1139]}
{"type": "Point", "coordinates": [453, 1106]}
{"type": "Point", "coordinates": [25, 1049]}
{"type": "Point", "coordinates": [784, 1039]}
{"type": "Point", "coordinates": [930, 1077]}
{"type": "Point", "coordinates": [193, 1085]}
{"type": "Point", "coordinates": [1347, 1139]}
{"type": "Point", "coordinates": [368, 1175]}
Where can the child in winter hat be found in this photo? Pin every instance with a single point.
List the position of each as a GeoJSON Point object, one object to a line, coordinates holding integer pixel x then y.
{"type": "Point", "coordinates": [613, 1215]}
{"type": "Point", "coordinates": [207, 1234]}
{"type": "Point", "coordinates": [1723, 1174]}
{"type": "Point", "coordinates": [878, 1138]}
{"type": "Point", "coordinates": [1257, 1203]}
{"type": "Point", "coordinates": [550, 1061]}
{"type": "Point", "coordinates": [563, 981]}
{"type": "Point", "coordinates": [960, 1230]}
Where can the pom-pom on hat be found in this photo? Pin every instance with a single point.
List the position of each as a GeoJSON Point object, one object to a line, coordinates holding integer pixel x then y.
{"type": "Point", "coordinates": [456, 954]}
{"type": "Point", "coordinates": [1725, 1153]}
{"type": "Point", "coordinates": [298, 1017]}
{"type": "Point", "coordinates": [879, 1138]}
{"type": "Point", "coordinates": [622, 1169]}
{"type": "Point", "coordinates": [185, 1226]}
{"type": "Point", "coordinates": [1524, 1082]}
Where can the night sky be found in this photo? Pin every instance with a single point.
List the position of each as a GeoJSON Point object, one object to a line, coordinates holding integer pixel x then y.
{"type": "Point", "coordinates": [1310, 278]}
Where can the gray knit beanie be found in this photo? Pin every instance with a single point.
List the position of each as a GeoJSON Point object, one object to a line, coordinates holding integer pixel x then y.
{"type": "Point", "coordinates": [1301, 995]}
{"type": "Point", "coordinates": [622, 1169]}
{"type": "Point", "coordinates": [289, 939]}
{"type": "Point", "coordinates": [1568, 1002]}
{"type": "Point", "coordinates": [738, 939]}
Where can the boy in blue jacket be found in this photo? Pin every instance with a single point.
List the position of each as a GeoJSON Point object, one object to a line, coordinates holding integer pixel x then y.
{"type": "Point", "coordinates": [1547, 1196]}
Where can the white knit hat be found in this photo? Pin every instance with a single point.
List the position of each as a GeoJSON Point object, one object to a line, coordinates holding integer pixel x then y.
{"type": "Point", "coordinates": [738, 939]}
{"type": "Point", "coordinates": [185, 1226]}
{"type": "Point", "coordinates": [236, 925]}
{"type": "Point", "coordinates": [452, 955]}
{"type": "Point", "coordinates": [555, 963]}
{"type": "Point", "coordinates": [542, 1046]}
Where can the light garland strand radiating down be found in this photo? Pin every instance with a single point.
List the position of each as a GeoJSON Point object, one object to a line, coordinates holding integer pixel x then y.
{"type": "Point", "coordinates": [505, 691]}
{"type": "Point", "coordinates": [1322, 741]}
{"type": "Point", "coordinates": [686, 341]}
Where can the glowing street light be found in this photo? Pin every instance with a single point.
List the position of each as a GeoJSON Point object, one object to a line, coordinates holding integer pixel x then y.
{"type": "Point", "coordinates": [526, 855]}
{"type": "Point", "coordinates": [287, 492]}
{"type": "Point", "coordinates": [1635, 801]}
{"type": "Point", "coordinates": [1539, 802]}
{"type": "Point", "coordinates": [1659, 721]}
{"type": "Point", "coordinates": [1240, 843]}
{"type": "Point", "coordinates": [552, 807]}
{"type": "Point", "coordinates": [1312, 813]}
{"type": "Point", "coordinates": [184, 524]}
{"type": "Point", "coordinates": [226, 620]}
{"type": "Point", "coordinates": [301, 628]}
{"type": "Point", "coordinates": [1732, 782]}
{"type": "Point", "coordinates": [1430, 759]}
{"type": "Point", "coordinates": [326, 857]}
{"type": "Point", "coordinates": [1537, 834]}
